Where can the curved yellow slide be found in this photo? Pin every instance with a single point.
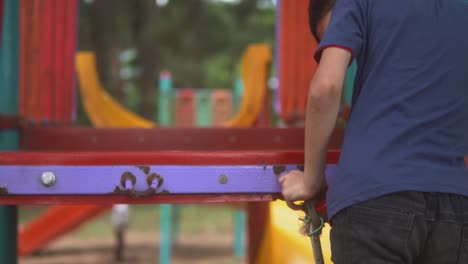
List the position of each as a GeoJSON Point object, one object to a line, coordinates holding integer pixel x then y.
{"type": "Point", "coordinates": [255, 65]}
{"type": "Point", "coordinates": [284, 244]}
{"type": "Point", "coordinates": [105, 111]}
{"type": "Point", "coordinates": [101, 108]}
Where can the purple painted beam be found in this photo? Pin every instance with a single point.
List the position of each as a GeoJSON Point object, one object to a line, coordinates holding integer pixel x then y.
{"type": "Point", "coordinates": [140, 181]}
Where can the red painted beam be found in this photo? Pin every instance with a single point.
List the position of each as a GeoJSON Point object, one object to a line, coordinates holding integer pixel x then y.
{"type": "Point", "coordinates": [159, 158]}
{"type": "Point", "coordinates": [163, 139]}
{"type": "Point", "coordinates": [123, 199]}
{"type": "Point", "coordinates": [148, 158]}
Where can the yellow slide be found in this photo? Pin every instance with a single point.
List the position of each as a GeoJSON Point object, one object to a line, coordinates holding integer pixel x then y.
{"type": "Point", "coordinates": [105, 111]}
{"type": "Point", "coordinates": [284, 244]}
{"type": "Point", "coordinates": [101, 108]}
{"type": "Point", "coordinates": [255, 65]}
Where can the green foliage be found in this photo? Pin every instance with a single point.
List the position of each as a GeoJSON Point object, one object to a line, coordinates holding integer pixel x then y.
{"type": "Point", "coordinates": [200, 41]}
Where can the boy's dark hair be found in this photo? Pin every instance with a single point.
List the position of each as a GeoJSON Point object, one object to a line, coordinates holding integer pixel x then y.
{"type": "Point", "coordinates": [317, 10]}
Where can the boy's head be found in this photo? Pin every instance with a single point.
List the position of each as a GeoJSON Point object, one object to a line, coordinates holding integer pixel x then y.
{"type": "Point", "coordinates": [319, 16]}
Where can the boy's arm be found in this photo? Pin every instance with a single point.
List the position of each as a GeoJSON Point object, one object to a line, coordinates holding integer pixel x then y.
{"type": "Point", "coordinates": [323, 105]}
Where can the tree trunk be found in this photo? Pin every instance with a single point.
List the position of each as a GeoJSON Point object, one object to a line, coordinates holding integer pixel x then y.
{"type": "Point", "coordinates": [147, 50]}
{"type": "Point", "coordinates": [107, 45]}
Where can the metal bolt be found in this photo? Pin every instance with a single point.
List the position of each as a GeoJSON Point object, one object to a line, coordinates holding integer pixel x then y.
{"type": "Point", "coordinates": [223, 178]}
{"type": "Point", "coordinates": [48, 178]}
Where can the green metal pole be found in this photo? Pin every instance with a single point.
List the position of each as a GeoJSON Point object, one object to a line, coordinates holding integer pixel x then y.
{"type": "Point", "coordinates": [9, 105]}
{"type": "Point", "coordinates": [203, 108]}
{"type": "Point", "coordinates": [237, 95]}
{"type": "Point", "coordinates": [240, 217]}
{"type": "Point", "coordinates": [165, 245]}
{"type": "Point", "coordinates": [166, 210]}
{"type": "Point", "coordinates": [165, 99]}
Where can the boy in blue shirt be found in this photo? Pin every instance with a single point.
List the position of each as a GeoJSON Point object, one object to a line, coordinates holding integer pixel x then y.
{"type": "Point", "coordinates": [400, 194]}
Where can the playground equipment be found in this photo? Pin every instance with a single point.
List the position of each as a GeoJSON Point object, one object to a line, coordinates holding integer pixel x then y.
{"type": "Point", "coordinates": [194, 107]}
{"type": "Point", "coordinates": [96, 100]}
{"type": "Point", "coordinates": [8, 106]}
{"type": "Point", "coordinates": [45, 88]}
{"type": "Point", "coordinates": [243, 174]}
{"type": "Point", "coordinates": [221, 102]}
{"type": "Point", "coordinates": [185, 107]}
{"type": "Point", "coordinates": [287, 245]}
{"type": "Point", "coordinates": [104, 111]}
{"type": "Point", "coordinates": [296, 65]}
{"type": "Point", "coordinates": [101, 108]}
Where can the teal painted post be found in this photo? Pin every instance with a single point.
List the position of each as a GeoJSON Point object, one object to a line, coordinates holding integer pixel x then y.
{"type": "Point", "coordinates": [165, 105]}
{"type": "Point", "coordinates": [203, 108]}
{"type": "Point", "coordinates": [349, 83]}
{"type": "Point", "coordinates": [239, 232]}
{"type": "Point", "coordinates": [165, 245]}
{"type": "Point", "coordinates": [237, 95]}
{"type": "Point", "coordinates": [9, 105]}
{"type": "Point", "coordinates": [239, 215]}
{"type": "Point", "coordinates": [165, 100]}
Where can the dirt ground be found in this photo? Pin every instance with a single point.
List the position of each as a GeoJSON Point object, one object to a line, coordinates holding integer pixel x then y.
{"type": "Point", "coordinates": [140, 248]}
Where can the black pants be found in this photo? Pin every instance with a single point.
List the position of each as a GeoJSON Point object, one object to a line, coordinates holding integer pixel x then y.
{"type": "Point", "coordinates": [404, 227]}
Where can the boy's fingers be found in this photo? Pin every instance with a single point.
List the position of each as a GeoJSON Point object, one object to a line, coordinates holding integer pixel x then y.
{"type": "Point", "coordinates": [294, 206]}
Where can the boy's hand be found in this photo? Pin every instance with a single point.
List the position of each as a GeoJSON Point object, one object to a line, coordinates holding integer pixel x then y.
{"type": "Point", "coordinates": [294, 189]}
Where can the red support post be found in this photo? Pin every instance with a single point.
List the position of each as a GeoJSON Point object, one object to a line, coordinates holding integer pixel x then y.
{"type": "Point", "coordinates": [257, 213]}
{"type": "Point", "coordinates": [46, 70]}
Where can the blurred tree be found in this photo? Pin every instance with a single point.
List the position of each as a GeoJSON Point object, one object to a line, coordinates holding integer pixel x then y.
{"type": "Point", "coordinates": [104, 17]}
{"type": "Point", "coordinates": [199, 41]}
{"type": "Point", "coordinates": [144, 22]}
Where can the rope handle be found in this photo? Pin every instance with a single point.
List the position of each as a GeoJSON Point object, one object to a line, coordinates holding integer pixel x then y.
{"type": "Point", "coordinates": [307, 220]}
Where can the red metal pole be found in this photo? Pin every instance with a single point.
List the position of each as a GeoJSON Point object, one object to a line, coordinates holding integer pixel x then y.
{"type": "Point", "coordinates": [47, 73]}
{"type": "Point", "coordinates": [257, 221]}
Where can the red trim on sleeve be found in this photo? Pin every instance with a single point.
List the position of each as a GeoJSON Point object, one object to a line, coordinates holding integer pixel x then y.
{"type": "Point", "coordinates": [318, 53]}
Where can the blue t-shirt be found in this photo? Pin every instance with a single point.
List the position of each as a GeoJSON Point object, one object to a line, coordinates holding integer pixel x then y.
{"type": "Point", "coordinates": [408, 129]}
